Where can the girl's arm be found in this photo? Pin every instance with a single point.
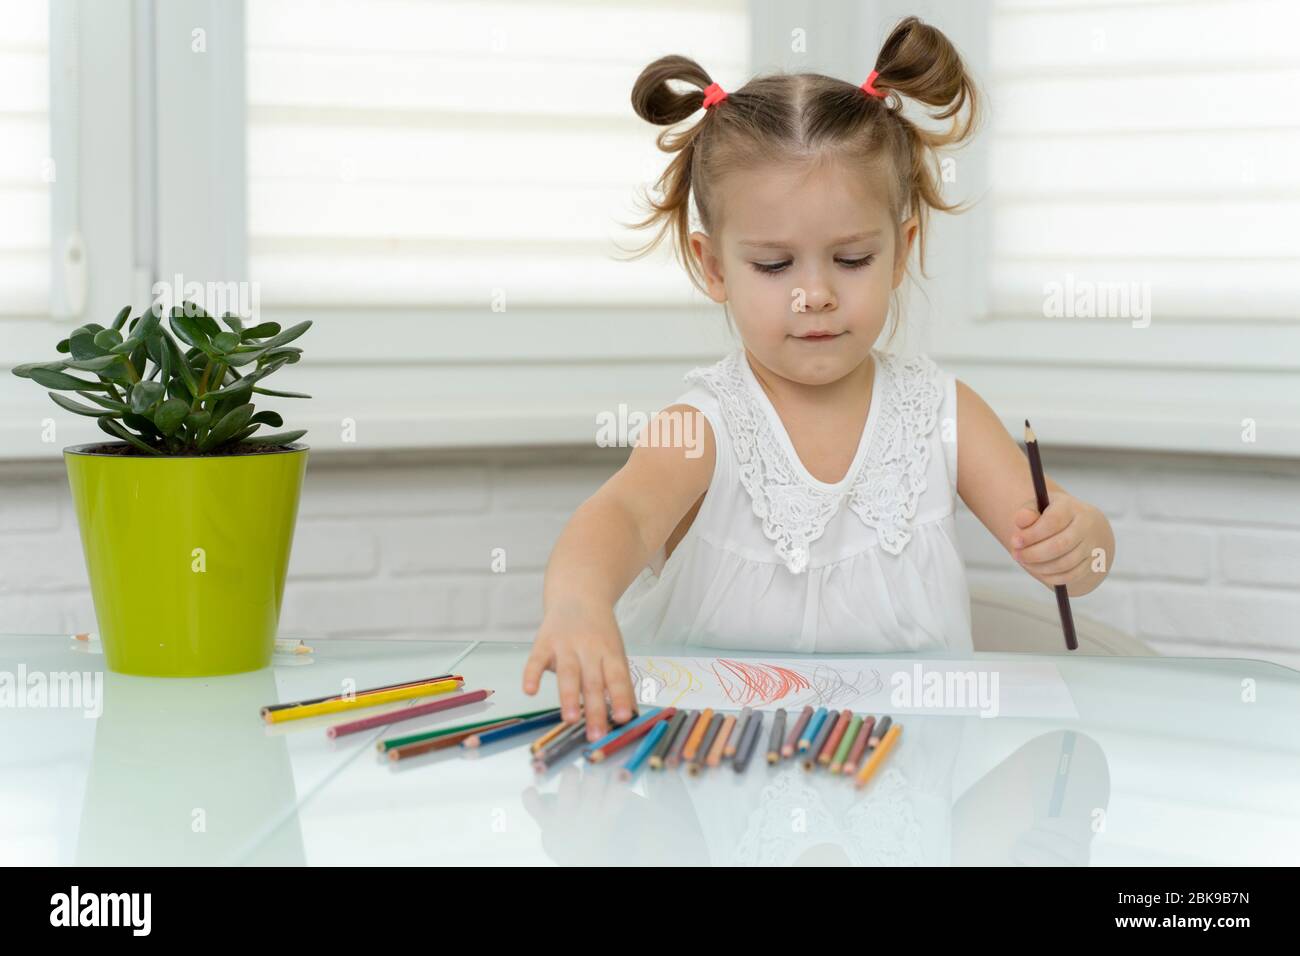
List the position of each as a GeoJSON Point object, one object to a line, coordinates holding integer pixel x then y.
{"type": "Point", "coordinates": [1070, 543]}
{"type": "Point", "coordinates": [602, 549]}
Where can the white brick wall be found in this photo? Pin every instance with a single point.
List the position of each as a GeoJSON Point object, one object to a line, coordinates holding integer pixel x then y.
{"type": "Point", "coordinates": [400, 545]}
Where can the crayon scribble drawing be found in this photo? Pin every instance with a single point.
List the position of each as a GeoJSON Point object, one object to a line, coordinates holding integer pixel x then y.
{"type": "Point", "coordinates": [675, 682]}
{"type": "Point", "coordinates": [876, 684]}
{"type": "Point", "coordinates": [663, 682]}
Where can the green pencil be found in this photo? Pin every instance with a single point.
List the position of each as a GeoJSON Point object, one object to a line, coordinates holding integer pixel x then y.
{"type": "Point", "coordinates": [392, 742]}
{"type": "Point", "coordinates": [846, 744]}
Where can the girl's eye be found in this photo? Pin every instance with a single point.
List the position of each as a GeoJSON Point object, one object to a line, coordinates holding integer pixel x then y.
{"type": "Point", "coordinates": [771, 268]}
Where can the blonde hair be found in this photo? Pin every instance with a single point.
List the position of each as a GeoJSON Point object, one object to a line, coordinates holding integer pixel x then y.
{"type": "Point", "coordinates": [807, 117]}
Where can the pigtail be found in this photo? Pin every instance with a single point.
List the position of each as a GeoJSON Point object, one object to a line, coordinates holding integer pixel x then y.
{"type": "Point", "coordinates": [655, 101]}
{"type": "Point", "coordinates": [918, 62]}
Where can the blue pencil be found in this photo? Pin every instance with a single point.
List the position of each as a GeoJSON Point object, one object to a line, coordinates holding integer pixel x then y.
{"type": "Point", "coordinates": [522, 727]}
{"type": "Point", "coordinates": [810, 732]}
{"type": "Point", "coordinates": [620, 729]}
{"type": "Point", "coordinates": [647, 744]}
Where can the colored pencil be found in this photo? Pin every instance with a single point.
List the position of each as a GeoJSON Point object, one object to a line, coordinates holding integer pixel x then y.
{"type": "Point", "coordinates": [409, 713]}
{"type": "Point", "coordinates": [815, 748]}
{"type": "Point", "coordinates": [739, 733]}
{"type": "Point", "coordinates": [421, 735]}
{"type": "Point", "coordinates": [566, 731]}
{"type": "Point", "coordinates": [813, 729]}
{"type": "Point", "coordinates": [697, 735]}
{"type": "Point", "coordinates": [648, 743]}
{"type": "Point", "coordinates": [878, 755]}
{"type": "Point", "coordinates": [878, 732]}
{"type": "Point", "coordinates": [485, 737]}
{"type": "Point", "coordinates": [859, 746]}
{"type": "Point", "coordinates": [362, 701]}
{"type": "Point", "coordinates": [632, 733]}
{"type": "Point", "coordinates": [706, 744]}
{"type": "Point", "coordinates": [827, 734]}
{"type": "Point", "coordinates": [1040, 493]}
{"type": "Point", "coordinates": [666, 740]}
{"type": "Point", "coordinates": [778, 731]}
{"type": "Point", "coordinates": [796, 732]}
{"type": "Point", "coordinates": [561, 747]}
{"type": "Point", "coordinates": [621, 728]}
{"type": "Point", "coordinates": [444, 742]}
{"type": "Point", "coordinates": [720, 742]}
{"type": "Point", "coordinates": [369, 690]}
{"type": "Point", "coordinates": [684, 734]}
{"type": "Point", "coordinates": [833, 741]}
{"type": "Point", "coordinates": [541, 742]}
{"type": "Point", "coordinates": [846, 744]}
{"type": "Point", "coordinates": [749, 743]}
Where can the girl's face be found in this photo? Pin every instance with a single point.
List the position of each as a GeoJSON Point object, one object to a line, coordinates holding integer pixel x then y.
{"type": "Point", "coordinates": [807, 250]}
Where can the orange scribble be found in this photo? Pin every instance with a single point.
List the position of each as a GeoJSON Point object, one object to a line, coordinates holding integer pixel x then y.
{"type": "Point", "coordinates": [747, 683]}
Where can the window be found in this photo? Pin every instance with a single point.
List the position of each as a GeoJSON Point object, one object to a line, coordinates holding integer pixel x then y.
{"type": "Point", "coordinates": [1148, 143]}
{"type": "Point", "coordinates": [26, 170]}
{"type": "Point", "coordinates": [67, 199]}
{"type": "Point", "coordinates": [440, 187]}
{"type": "Point", "coordinates": [1129, 277]}
{"type": "Point", "coordinates": [435, 154]}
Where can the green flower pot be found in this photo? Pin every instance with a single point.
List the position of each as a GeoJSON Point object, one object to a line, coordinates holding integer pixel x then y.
{"type": "Point", "coordinates": [187, 555]}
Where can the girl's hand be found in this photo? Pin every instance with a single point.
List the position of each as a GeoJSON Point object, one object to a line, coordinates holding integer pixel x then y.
{"type": "Point", "coordinates": [1060, 545]}
{"type": "Point", "coordinates": [583, 646]}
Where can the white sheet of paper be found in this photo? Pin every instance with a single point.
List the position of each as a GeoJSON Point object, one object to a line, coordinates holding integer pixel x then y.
{"type": "Point", "coordinates": [866, 685]}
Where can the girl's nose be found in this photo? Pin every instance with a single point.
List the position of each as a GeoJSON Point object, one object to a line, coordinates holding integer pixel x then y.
{"type": "Point", "coordinates": [818, 298]}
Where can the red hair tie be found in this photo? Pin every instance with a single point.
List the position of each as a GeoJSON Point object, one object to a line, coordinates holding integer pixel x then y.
{"type": "Point", "coordinates": [878, 94]}
{"type": "Point", "coordinates": [713, 94]}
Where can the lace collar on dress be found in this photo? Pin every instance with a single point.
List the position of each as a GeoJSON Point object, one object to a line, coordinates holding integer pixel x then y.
{"type": "Point", "coordinates": [884, 482]}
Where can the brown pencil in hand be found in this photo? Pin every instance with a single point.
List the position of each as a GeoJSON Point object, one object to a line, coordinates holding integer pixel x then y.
{"type": "Point", "coordinates": [1040, 492]}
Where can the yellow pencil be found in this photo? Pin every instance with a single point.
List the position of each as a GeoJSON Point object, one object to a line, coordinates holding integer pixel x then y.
{"type": "Point", "coordinates": [361, 700]}
{"type": "Point", "coordinates": [878, 755]}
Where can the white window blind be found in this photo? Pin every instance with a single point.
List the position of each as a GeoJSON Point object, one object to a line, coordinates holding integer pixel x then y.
{"type": "Point", "coordinates": [1147, 142]}
{"type": "Point", "coordinates": [25, 170]}
{"type": "Point", "coordinates": [406, 153]}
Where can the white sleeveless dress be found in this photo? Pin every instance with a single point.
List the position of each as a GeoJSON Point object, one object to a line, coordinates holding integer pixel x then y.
{"type": "Point", "coordinates": [778, 560]}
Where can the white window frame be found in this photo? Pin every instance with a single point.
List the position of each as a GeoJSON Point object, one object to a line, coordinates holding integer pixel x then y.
{"type": "Point", "coordinates": [92, 82]}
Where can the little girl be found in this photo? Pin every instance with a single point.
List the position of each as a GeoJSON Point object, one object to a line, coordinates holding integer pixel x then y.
{"type": "Point", "coordinates": [816, 513]}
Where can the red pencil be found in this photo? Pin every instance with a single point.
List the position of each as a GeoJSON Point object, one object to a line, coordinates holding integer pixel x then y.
{"type": "Point", "coordinates": [631, 734]}
{"type": "Point", "coordinates": [805, 715]}
{"type": "Point", "coordinates": [859, 746]}
{"type": "Point", "coordinates": [833, 741]}
{"type": "Point", "coordinates": [379, 720]}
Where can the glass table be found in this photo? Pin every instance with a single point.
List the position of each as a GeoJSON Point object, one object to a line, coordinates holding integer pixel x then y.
{"type": "Point", "coordinates": [1162, 761]}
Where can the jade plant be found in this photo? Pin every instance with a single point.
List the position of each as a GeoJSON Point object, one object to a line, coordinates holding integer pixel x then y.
{"type": "Point", "coordinates": [165, 401]}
